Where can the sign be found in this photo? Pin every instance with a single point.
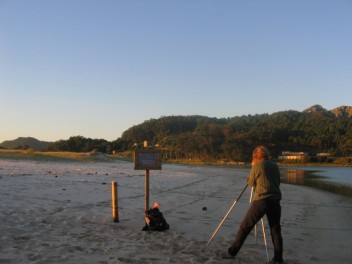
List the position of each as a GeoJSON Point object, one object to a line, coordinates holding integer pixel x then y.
{"type": "Point", "coordinates": [147, 159]}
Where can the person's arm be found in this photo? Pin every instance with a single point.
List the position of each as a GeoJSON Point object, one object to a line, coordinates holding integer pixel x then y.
{"type": "Point", "coordinates": [251, 178]}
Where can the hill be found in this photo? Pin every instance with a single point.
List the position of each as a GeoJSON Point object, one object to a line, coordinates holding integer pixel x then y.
{"type": "Point", "coordinates": [341, 111]}
{"type": "Point", "coordinates": [200, 138]}
{"type": "Point", "coordinates": [25, 143]}
{"type": "Point", "coordinates": [314, 130]}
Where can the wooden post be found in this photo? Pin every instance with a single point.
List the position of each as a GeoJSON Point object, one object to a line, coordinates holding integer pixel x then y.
{"type": "Point", "coordinates": [146, 190]}
{"type": "Point", "coordinates": [115, 211]}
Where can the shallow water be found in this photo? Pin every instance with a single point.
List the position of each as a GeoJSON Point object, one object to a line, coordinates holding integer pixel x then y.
{"type": "Point", "coordinates": [337, 180]}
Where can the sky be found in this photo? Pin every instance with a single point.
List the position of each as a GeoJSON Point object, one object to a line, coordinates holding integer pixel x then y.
{"type": "Point", "coordinates": [95, 68]}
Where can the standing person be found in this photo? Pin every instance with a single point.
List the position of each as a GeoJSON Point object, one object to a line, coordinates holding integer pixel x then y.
{"type": "Point", "coordinates": [264, 177]}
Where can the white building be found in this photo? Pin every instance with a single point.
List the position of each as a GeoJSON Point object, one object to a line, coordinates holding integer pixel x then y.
{"type": "Point", "coordinates": [289, 155]}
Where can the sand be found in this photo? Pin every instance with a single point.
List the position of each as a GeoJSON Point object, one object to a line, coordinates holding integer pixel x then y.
{"type": "Point", "coordinates": [52, 212]}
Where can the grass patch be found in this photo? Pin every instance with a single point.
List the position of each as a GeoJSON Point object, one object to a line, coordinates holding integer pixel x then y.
{"type": "Point", "coordinates": [52, 156]}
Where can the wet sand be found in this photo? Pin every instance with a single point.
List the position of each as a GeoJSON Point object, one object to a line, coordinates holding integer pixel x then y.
{"type": "Point", "coordinates": [54, 212]}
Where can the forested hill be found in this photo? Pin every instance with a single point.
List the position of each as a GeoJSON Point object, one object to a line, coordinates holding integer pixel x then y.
{"type": "Point", "coordinates": [197, 137]}
{"type": "Point", "coordinates": [314, 130]}
{"type": "Point", "coordinates": [25, 143]}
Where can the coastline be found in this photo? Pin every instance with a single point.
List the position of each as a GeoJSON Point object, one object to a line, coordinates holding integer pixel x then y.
{"type": "Point", "coordinates": [97, 157]}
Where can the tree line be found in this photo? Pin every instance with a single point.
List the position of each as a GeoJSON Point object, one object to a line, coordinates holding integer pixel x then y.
{"type": "Point", "coordinates": [210, 139]}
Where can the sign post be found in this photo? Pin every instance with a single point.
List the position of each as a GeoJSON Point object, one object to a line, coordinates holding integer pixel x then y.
{"type": "Point", "coordinates": [147, 159]}
{"type": "Point", "coordinates": [146, 190]}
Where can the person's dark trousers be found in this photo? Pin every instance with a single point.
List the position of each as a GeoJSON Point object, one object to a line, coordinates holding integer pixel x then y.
{"type": "Point", "coordinates": [258, 209]}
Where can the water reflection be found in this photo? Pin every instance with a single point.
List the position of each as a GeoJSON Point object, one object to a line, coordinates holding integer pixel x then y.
{"type": "Point", "coordinates": [294, 176]}
{"type": "Point", "coordinates": [312, 178]}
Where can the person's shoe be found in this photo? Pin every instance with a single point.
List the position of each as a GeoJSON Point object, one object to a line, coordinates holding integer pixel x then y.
{"type": "Point", "coordinates": [226, 255]}
{"type": "Point", "coordinates": [229, 255]}
{"type": "Point", "coordinates": [231, 251]}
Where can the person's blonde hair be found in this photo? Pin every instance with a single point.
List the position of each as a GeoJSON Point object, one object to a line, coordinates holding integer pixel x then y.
{"type": "Point", "coordinates": [260, 153]}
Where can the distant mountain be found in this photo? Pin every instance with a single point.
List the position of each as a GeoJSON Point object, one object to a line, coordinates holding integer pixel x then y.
{"type": "Point", "coordinates": [315, 108]}
{"type": "Point", "coordinates": [25, 142]}
{"type": "Point", "coordinates": [341, 111]}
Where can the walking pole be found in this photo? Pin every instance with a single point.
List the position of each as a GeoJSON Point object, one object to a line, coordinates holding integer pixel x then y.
{"type": "Point", "coordinates": [266, 245]}
{"type": "Point", "coordinates": [255, 227]}
{"type": "Point", "coordinates": [228, 212]}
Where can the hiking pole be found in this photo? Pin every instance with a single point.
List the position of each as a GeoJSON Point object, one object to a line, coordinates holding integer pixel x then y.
{"type": "Point", "coordinates": [266, 245]}
{"type": "Point", "coordinates": [227, 214]}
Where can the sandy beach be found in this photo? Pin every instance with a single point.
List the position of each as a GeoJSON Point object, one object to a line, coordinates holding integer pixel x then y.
{"type": "Point", "coordinates": [60, 212]}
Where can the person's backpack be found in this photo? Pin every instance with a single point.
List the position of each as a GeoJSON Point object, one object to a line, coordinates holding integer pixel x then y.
{"type": "Point", "coordinates": [154, 220]}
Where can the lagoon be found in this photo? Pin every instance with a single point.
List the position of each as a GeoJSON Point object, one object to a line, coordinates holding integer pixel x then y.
{"type": "Point", "coordinates": [333, 179]}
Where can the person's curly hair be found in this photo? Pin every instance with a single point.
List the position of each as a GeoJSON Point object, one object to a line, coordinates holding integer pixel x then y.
{"type": "Point", "coordinates": [260, 153]}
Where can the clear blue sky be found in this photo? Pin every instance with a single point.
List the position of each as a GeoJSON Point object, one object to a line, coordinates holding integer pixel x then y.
{"type": "Point", "coordinates": [95, 68]}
